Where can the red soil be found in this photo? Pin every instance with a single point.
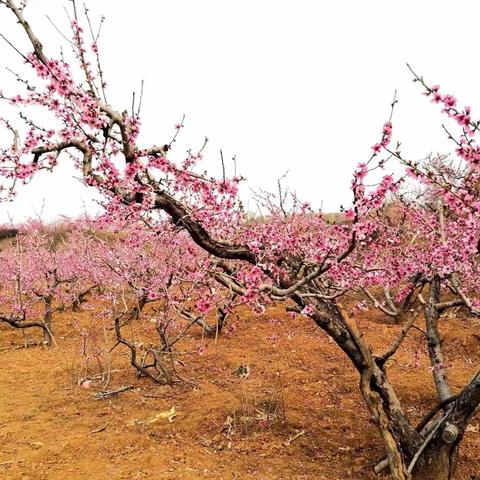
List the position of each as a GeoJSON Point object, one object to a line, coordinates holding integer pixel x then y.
{"type": "Point", "coordinates": [225, 427]}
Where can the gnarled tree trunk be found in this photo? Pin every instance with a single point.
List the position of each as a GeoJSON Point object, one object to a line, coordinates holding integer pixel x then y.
{"type": "Point", "coordinates": [47, 320]}
{"type": "Point", "coordinates": [437, 462]}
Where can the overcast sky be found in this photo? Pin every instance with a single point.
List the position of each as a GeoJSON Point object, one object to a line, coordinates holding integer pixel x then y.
{"type": "Point", "coordinates": [300, 85]}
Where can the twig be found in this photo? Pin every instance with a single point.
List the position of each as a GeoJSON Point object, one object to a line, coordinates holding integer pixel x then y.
{"type": "Point", "coordinates": [100, 429]}
{"type": "Point", "coordinates": [10, 462]}
{"type": "Point", "coordinates": [18, 347]}
{"type": "Point", "coordinates": [291, 439]}
{"type": "Point", "coordinates": [110, 393]}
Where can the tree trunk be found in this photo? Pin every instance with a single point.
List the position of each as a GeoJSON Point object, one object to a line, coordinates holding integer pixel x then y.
{"type": "Point", "coordinates": [435, 348]}
{"type": "Point", "coordinates": [222, 315]}
{"type": "Point", "coordinates": [47, 320]}
{"type": "Point", "coordinates": [437, 462]}
{"type": "Point", "coordinates": [399, 437]}
{"type": "Point", "coordinates": [136, 310]}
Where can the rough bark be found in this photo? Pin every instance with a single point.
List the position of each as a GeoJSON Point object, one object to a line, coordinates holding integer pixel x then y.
{"type": "Point", "coordinates": [400, 437]}
{"type": "Point", "coordinates": [435, 349]}
{"type": "Point", "coordinates": [467, 404]}
{"type": "Point", "coordinates": [438, 462]}
{"type": "Point", "coordinates": [47, 320]}
{"type": "Point", "coordinates": [376, 405]}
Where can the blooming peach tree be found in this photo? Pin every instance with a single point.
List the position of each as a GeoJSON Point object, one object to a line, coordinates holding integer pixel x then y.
{"type": "Point", "coordinates": [160, 278]}
{"type": "Point", "coordinates": [41, 275]}
{"type": "Point", "coordinates": [296, 256]}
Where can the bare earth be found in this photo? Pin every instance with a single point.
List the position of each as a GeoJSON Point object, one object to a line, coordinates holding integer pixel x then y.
{"type": "Point", "coordinates": [300, 389]}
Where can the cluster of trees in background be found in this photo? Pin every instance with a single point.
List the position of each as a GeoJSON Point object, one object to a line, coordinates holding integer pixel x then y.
{"type": "Point", "coordinates": [74, 266]}
{"type": "Point", "coordinates": [181, 241]}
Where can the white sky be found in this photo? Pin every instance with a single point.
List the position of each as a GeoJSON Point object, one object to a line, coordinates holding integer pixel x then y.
{"type": "Point", "coordinates": [301, 85]}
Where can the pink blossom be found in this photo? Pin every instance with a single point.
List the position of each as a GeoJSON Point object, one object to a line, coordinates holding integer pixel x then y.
{"type": "Point", "coordinates": [376, 148]}
{"type": "Point", "coordinates": [85, 384]}
{"type": "Point", "coordinates": [308, 310]}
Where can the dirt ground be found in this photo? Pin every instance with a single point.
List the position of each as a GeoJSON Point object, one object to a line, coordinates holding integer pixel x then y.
{"type": "Point", "coordinates": [298, 415]}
